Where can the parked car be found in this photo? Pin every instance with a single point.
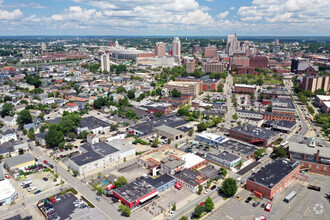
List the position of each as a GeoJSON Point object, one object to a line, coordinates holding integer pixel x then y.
{"type": "Point", "coordinates": [51, 166]}
{"type": "Point", "coordinates": [248, 200]}
{"type": "Point", "coordinates": [36, 192]}
{"type": "Point", "coordinates": [213, 187]}
{"type": "Point", "coordinates": [45, 161]}
{"type": "Point", "coordinates": [268, 207]}
{"type": "Point", "coordinates": [255, 204]}
{"type": "Point", "coordinates": [57, 198]}
{"type": "Point", "coordinates": [207, 191]}
{"type": "Point", "coordinates": [172, 213]}
{"type": "Point", "coordinates": [52, 199]}
{"type": "Point", "coordinates": [98, 199]}
{"type": "Point", "coordinates": [26, 186]}
{"type": "Point", "coordinates": [45, 179]}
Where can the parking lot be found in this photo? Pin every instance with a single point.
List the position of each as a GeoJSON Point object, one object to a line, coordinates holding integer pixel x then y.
{"type": "Point", "coordinates": [308, 204]}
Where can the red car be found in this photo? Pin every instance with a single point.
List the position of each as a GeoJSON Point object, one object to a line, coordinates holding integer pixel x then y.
{"type": "Point", "coordinates": [53, 199]}
{"type": "Point", "coordinates": [178, 185]}
{"type": "Point", "coordinates": [268, 207]}
{"type": "Point", "coordinates": [202, 203]}
{"type": "Point", "coordinates": [45, 161]}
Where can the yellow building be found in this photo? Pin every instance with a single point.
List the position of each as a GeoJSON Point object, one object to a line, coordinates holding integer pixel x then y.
{"type": "Point", "coordinates": [19, 162]}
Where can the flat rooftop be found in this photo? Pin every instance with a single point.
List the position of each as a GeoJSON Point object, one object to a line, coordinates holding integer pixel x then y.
{"type": "Point", "coordinates": [191, 177]}
{"type": "Point", "coordinates": [245, 86]}
{"type": "Point", "coordinates": [224, 155]}
{"type": "Point", "coordinates": [271, 174]}
{"type": "Point", "coordinates": [254, 131]}
{"type": "Point", "coordinates": [191, 160]}
{"type": "Point", "coordinates": [238, 148]}
{"type": "Point", "coordinates": [161, 153]}
{"type": "Point", "coordinates": [135, 190]}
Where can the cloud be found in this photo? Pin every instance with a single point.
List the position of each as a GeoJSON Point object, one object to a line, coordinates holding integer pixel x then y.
{"type": "Point", "coordinates": [232, 8]}
{"type": "Point", "coordinates": [7, 15]}
{"type": "Point", "coordinates": [209, 0]}
{"type": "Point", "coordinates": [223, 15]}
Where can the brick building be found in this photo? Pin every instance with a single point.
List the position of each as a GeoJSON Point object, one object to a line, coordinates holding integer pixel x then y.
{"type": "Point", "coordinates": [277, 117]}
{"type": "Point", "coordinates": [269, 181]}
{"type": "Point", "coordinates": [217, 67]}
{"type": "Point", "coordinates": [210, 52]}
{"type": "Point", "coordinates": [314, 83]}
{"type": "Point", "coordinates": [312, 158]}
{"type": "Point", "coordinates": [242, 88]}
{"type": "Point", "coordinates": [210, 84]}
{"type": "Point", "coordinates": [259, 61]}
{"type": "Point", "coordinates": [245, 70]}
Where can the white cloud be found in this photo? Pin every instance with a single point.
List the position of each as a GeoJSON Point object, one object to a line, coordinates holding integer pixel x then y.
{"type": "Point", "coordinates": [209, 0]}
{"type": "Point", "coordinates": [7, 15]}
{"type": "Point", "coordinates": [232, 8]}
{"type": "Point", "coordinates": [223, 15]}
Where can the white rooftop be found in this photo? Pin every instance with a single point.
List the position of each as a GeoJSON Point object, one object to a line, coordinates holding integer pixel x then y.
{"type": "Point", "coordinates": [323, 97]}
{"type": "Point", "coordinates": [213, 137]}
{"type": "Point", "coordinates": [191, 160]}
{"type": "Point", "coordinates": [7, 190]}
{"type": "Point", "coordinates": [244, 85]}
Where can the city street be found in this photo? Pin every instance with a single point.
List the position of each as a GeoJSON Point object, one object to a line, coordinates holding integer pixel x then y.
{"type": "Point", "coordinates": [230, 108]}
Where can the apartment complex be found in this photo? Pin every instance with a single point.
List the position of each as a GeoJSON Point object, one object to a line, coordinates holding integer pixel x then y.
{"type": "Point", "coordinates": [186, 88]}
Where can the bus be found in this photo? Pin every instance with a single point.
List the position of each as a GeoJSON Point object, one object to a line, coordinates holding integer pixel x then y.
{"type": "Point", "coordinates": [290, 197]}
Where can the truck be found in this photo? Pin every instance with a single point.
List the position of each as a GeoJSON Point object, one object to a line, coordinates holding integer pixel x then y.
{"type": "Point", "coordinates": [290, 197]}
{"type": "Point", "coordinates": [28, 181]}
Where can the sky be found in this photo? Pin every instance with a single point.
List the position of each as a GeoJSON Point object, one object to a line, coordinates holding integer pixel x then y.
{"type": "Point", "coordinates": [165, 17]}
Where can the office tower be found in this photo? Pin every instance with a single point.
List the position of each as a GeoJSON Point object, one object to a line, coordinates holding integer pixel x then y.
{"type": "Point", "coordinates": [176, 47]}
{"type": "Point", "coordinates": [105, 62]}
{"type": "Point", "coordinates": [160, 49]}
{"type": "Point", "coordinates": [43, 46]}
{"type": "Point", "coordinates": [277, 47]}
{"type": "Point", "coordinates": [210, 52]}
{"type": "Point", "coordinates": [233, 45]}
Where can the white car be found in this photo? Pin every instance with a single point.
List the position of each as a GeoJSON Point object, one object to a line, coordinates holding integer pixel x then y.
{"type": "Point", "coordinates": [207, 191]}
{"type": "Point", "coordinates": [172, 213]}
{"type": "Point", "coordinates": [57, 198]}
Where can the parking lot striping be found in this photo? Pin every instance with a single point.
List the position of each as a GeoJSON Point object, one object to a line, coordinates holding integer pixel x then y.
{"type": "Point", "coordinates": [229, 217]}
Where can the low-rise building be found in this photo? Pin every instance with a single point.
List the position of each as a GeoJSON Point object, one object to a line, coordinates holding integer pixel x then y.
{"type": "Point", "coordinates": [93, 124]}
{"type": "Point", "coordinates": [283, 106]}
{"type": "Point", "coordinates": [242, 88]}
{"type": "Point", "coordinates": [7, 135]}
{"type": "Point", "coordinates": [172, 164]}
{"type": "Point", "coordinates": [170, 132]}
{"type": "Point", "coordinates": [210, 138]}
{"type": "Point", "coordinates": [313, 158]}
{"type": "Point", "coordinates": [225, 159]}
{"type": "Point", "coordinates": [8, 193]}
{"type": "Point", "coordinates": [278, 116]}
{"type": "Point", "coordinates": [193, 161]}
{"type": "Point", "coordinates": [161, 183]}
{"type": "Point", "coordinates": [271, 179]}
{"type": "Point", "coordinates": [281, 126]}
{"type": "Point", "coordinates": [12, 148]}
{"type": "Point", "coordinates": [249, 114]}
{"type": "Point", "coordinates": [190, 179]}
{"type": "Point", "coordinates": [20, 162]}
{"type": "Point", "coordinates": [135, 193]}
{"type": "Point", "coordinates": [254, 135]}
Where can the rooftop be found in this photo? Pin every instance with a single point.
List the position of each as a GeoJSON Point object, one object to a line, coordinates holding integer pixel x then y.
{"type": "Point", "coordinates": [305, 149]}
{"type": "Point", "coordinates": [191, 160]}
{"type": "Point", "coordinates": [135, 190]}
{"type": "Point", "coordinates": [159, 181]}
{"type": "Point", "coordinates": [239, 148]}
{"type": "Point", "coordinates": [224, 155]}
{"type": "Point", "coordinates": [161, 153]}
{"type": "Point", "coordinates": [254, 131]}
{"type": "Point", "coordinates": [20, 159]}
{"type": "Point", "coordinates": [7, 190]}
{"type": "Point", "coordinates": [271, 174]}
{"type": "Point", "coordinates": [246, 86]}
{"type": "Point", "coordinates": [280, 123]}
{"type": "Point", "coordinates": [169, 130]}
{"type": "Point", "coordinates": [92, 122]}
{"type": "Point", "coordinates": [172, 162]}
{"type": "Point", "coordinates": [191, 177]}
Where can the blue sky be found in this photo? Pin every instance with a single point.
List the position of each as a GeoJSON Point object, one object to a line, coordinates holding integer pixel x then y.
{"type": "Point", "coordinates": [165, 17]}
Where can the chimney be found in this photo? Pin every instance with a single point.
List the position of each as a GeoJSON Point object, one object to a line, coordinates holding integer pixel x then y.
{"type": "Point", "coordinates": [318, 156]}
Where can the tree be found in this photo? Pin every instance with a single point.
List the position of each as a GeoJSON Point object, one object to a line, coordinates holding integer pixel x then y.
{"type": "Point", "coordinates": [72, 136]}
{"type": "Point", "coordinates": [54, 136]}
{"type": "Point", "coordinates": [208, 204]}
{"type": "Point", "coordinates": [183, 218]}
{"type": "Point", "coordinates": [20, 151]}
{"type": "Point", "coordinates": [24, 131]}
{"type": "Point", "coordinates": [131, 94]}
{"type": "Point", "coordinates": [176, 93]}
{"type": "Point", "coordinates": [258, 153]}
{"type": "Point", "coordinates": [239, 165]}
{"type": "Point", "coordinates": [125, 210]}
{"type": "Point", "coordinates": [83, 135]}
{"type": "Point", "coordinates": [208, 184]}
{"type": "Point", "coordinates": [24, 117]}
{"type": "Point", "coordinates": [121, 181]}
{"type": "Point", "coordinates": [155, 143]}
{"type": "Point", "coordinates": [235, 117]}
{"type": "Point", "coordinates": [200, 189]}
{"type": "Point", "coordinates": [174, 207]}
{"type": "Point", "coordinates": [229, 187]}
{"type": "Point", "coordinates": [199, 209]}
{"type": "Point", "coordinates": [113, 126]}
{"type": "Point", "coordinates": [202, 126]}
{"type": "Point", "coordinates": [43, 127]}
{"type": "Point", "coordinates": [191, 132]}
{"type": "Point", "coordinates": [184, 111]}
{"type": "Point", "coordinates": [223, 172]}
{"type": "Point", "coordinates": [121, 89]}
{"type": "Point", "coordinates": [30, 134]}
{"type": "Point", "coordinates": [7, 110]}
{"type": "Point", "coordinates": [220, 87]}
{"type": "Point", "coordinates": [280, 152]}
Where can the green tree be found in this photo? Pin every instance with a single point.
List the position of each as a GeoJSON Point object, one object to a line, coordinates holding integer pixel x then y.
{"type": "Point", "coordinates": [131, 94]}
{"type": "Point", "coordinates": [202, 126]}
{"type": "Point", "coordinates": [83, 135]}
{"type": "Point", "coordinates": [220, 87]}
{"type": "Point", "coordinates": [191, 132]}
{"type": "Point", "coordinates": [30, 134]}
{"type": "Point", "coordinates": [121, 181]}
{"type": "Point", "coordinates": [235, 117]}
{"type": "Point", "coordinates": [24, 131]}
{"type": "Point", "coordinates": [155, 142]}
{"type": "Point", "coordinates": [24, 117]}
{"type": "Point", "coordinates": [239, 165]}
{"type": "Point", "coordinates": [229, 187]}
{"type": "Point", "coordinates": [200, 189]}
{"type": "Point", "coordinates": [223, 172]}
{"type": "Point", "coordinates": [54, 136]}
{"type": "Point", "coordinates": [125, 210]}
{"type": "Point", "coordinates": [43, 127]}
{"type": "Point", "coordinates": [208, 204]}
{"type": "Point", "coordinates": [184, 111]}
{"type": "Point", "coordinates": [258, 153]}
{"type": "Point", "coordinates": [280, 152]}
{"type": "Point", "coordinates": [72, 136]}
{"type": "Point", "coordinates": [176, 93]}
{"type": "Point", "coordinates": [183, 218]}
{"type": "Point", "coordinates": [7, 110]}
{"type": "Point", "coordinates": [121, 89]}
{"type": "Point", "coordinates": [174, 207]}
{"type": "Point", "coordinates": [198, 211]}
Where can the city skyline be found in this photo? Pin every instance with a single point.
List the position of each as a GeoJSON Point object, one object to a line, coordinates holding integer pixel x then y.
{"type": "Point", "coordinates": [165, 18]}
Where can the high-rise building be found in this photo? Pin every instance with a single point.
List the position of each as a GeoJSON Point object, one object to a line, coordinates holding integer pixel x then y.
{"type": "Point", "coordinates": [210, 52]}
{"type": "Point", "coordinates": [190, 66]}
{"type": "Point", "coordinates": [314, 83]}
{"type": "Point", "coordinates": [43, 46]}
{"type": "Point", "coordinates": [176, 47]}
{"type": "Point", "coordinates": [196, 49]}
{"type": "Point", "coordinates": [105, 62]}
{"type": "Point", "coordinates": [160, 49]}
{"type": "Point", "coordinates": [233, 45]}
{"type": "Point", "coordinates": [217, 67]}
